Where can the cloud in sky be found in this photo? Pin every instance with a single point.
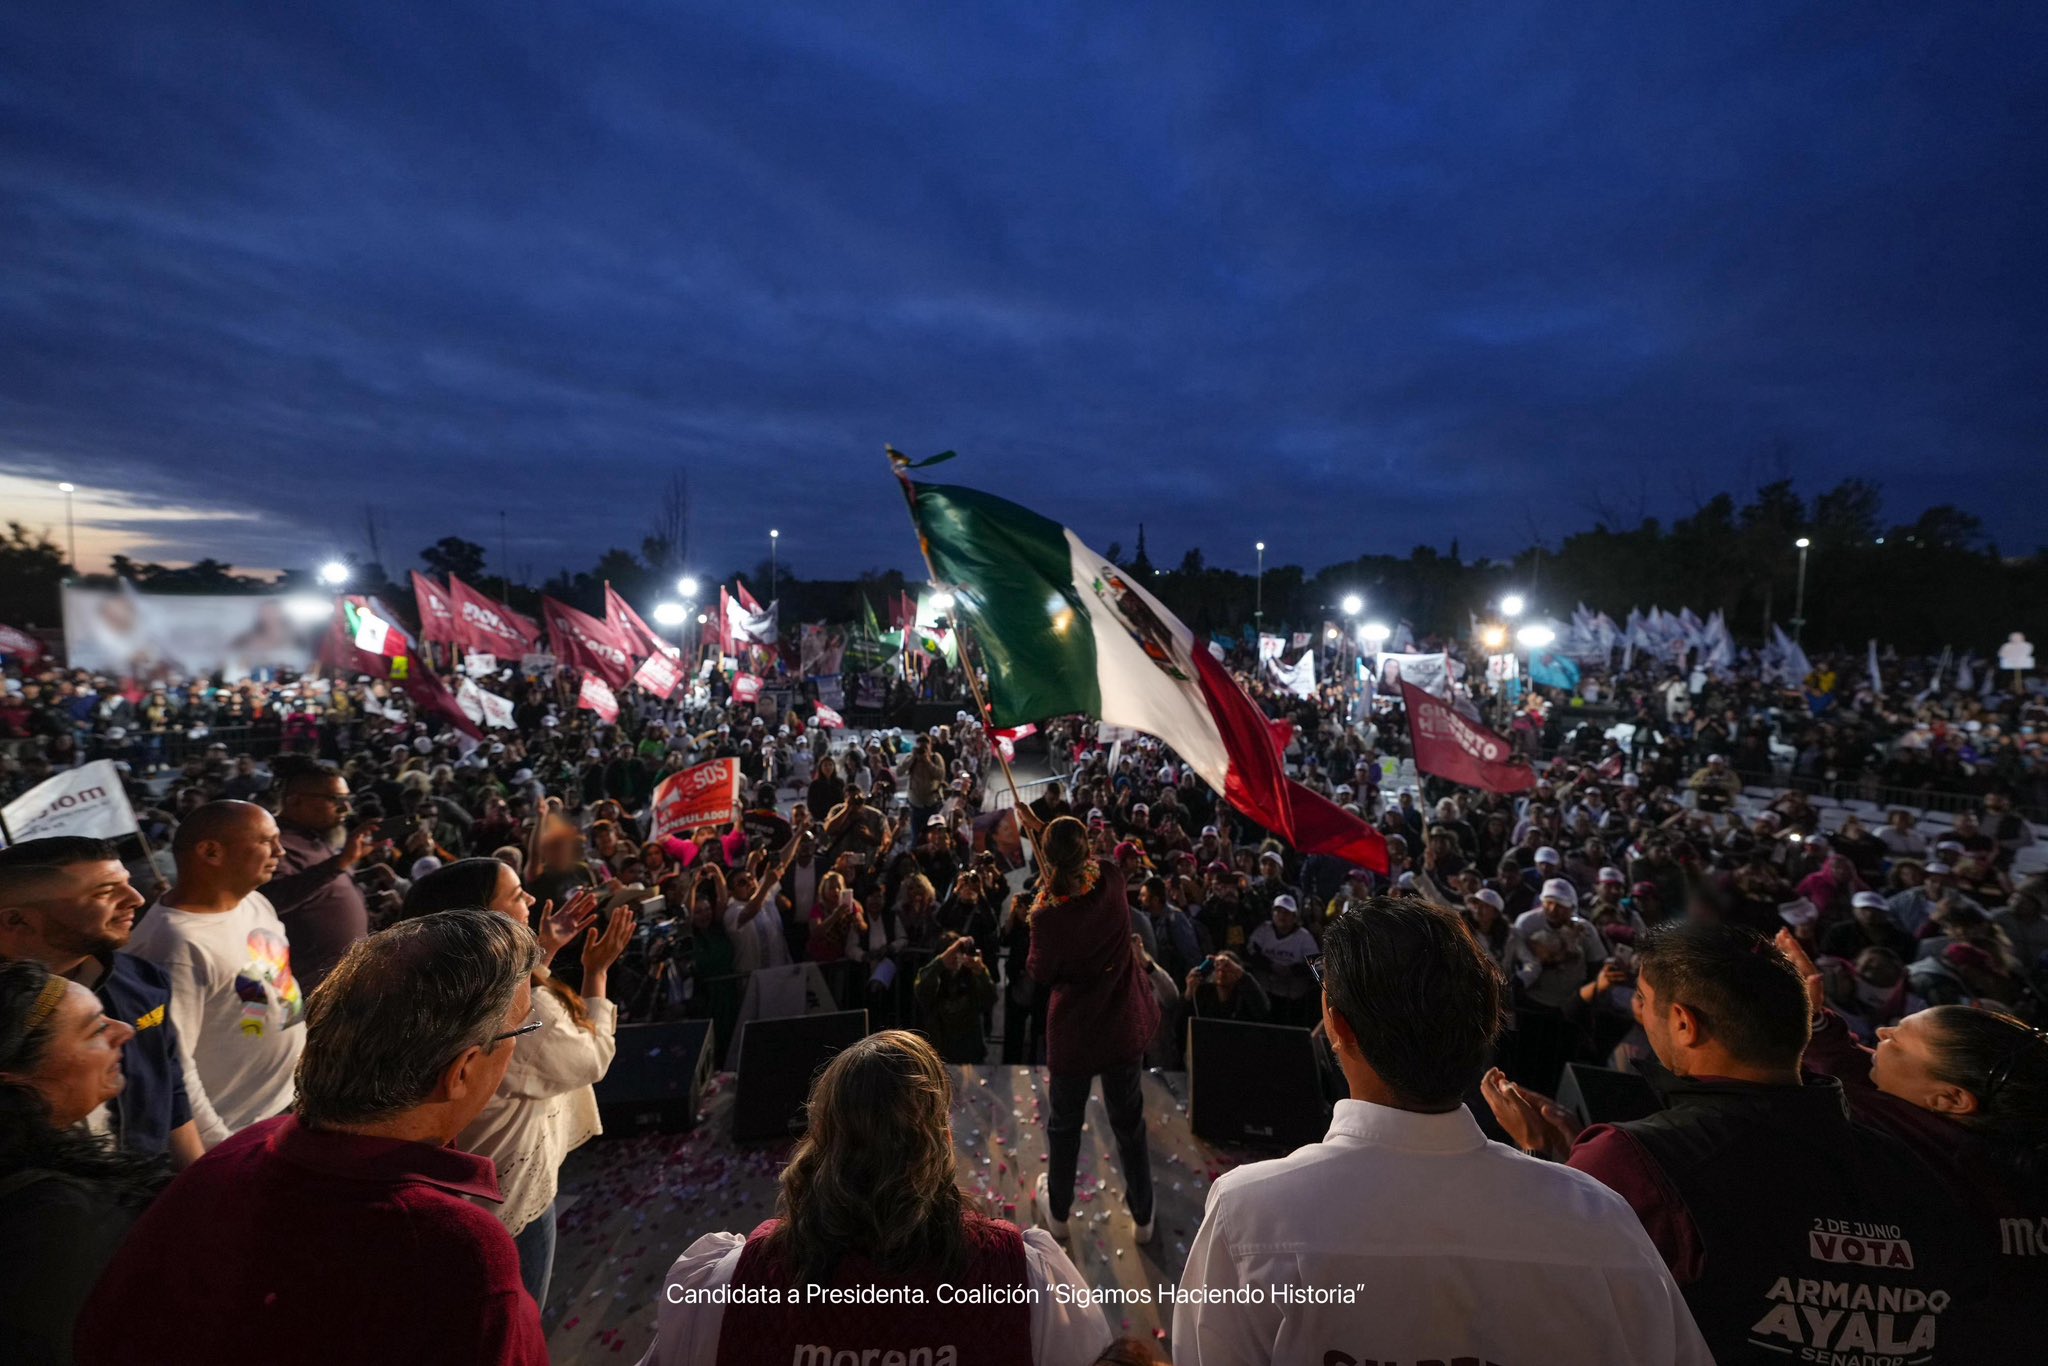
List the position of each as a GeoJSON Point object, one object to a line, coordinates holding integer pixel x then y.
{"type": "Point", "coordinates": [1346, 281]}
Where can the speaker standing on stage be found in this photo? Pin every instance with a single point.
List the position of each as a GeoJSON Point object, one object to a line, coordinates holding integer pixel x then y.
{"type": "Point", "coordinates": [1102, 1014]}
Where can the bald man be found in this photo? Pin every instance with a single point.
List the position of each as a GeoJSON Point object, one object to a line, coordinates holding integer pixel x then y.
{"type": "Point", "coordinates": [234, 1002]}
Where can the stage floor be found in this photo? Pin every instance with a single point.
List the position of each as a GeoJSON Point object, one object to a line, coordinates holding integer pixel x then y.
{"type": "Point", "coordinates": [630, 1206]}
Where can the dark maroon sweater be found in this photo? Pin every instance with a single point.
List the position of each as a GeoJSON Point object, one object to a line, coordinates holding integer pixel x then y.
{"type": "Point", "coordinates": [1102, 1012]}
{"type": "Point", "coordinates": [293, 1243]}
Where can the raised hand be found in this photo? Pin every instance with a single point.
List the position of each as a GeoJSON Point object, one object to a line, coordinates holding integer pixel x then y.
{"type": "Point", "coordinates": [600, 951]}
{"type": "Point", "coordinates": [1536, 1122]}
{"type": "Point", "coordinates": [557, 928]}
{"type": "Point", "coordinates": [1816, 985]}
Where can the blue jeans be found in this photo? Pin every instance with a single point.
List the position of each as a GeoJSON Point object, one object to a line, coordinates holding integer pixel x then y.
{"type": "Point", "coordinates": [536, 1244]}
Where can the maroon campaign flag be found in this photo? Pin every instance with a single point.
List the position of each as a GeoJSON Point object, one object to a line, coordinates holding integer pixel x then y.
{"type": "Point", "coordinates": [746, 688]}
{"type": "Point", "coordinates": [640, 638]}
{"type": "Point", "coordinates": [487, 626]}
{"type": "Point", "coordinates": [1449, 746]}
{"type": "Point", "coordinates": [432, 697]}
{"type": "Point", "coordinates": [746, 598]}
{"type": "Point", "coordinates": [583, 642]}
{"type": "Point", "coordinates": [437, 613]}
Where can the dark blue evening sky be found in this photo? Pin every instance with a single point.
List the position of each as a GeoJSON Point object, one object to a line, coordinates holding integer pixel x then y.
{"type": "Point", "coordinates": [1346, 277]}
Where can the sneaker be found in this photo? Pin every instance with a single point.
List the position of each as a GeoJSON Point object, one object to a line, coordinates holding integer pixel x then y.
{"type": "Point", "coordinates": [1143, 1233]}
{"type": "Point", "coordinates": [1057, 1227]}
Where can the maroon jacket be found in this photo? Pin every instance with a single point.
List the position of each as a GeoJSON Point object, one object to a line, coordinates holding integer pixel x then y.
{"type": "Point", "coordinates": [1102, 1012]}
{"type": "Point", "coordinates": [293, 1243]}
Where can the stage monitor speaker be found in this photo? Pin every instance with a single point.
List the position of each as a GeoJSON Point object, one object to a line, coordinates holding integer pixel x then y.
{"type": "Point", "coordinates": [1601, 1095]}
{"type": "Point", "coordinates": [1254, 1084]}
{"type": "Point", "coordinates": [657, 1078]}
{"type": "Point", "coordinates": [778, 1060]}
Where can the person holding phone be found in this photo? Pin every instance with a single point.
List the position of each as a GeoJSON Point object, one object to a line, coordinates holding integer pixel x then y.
{"type": "Point", "coordinates": [954, 992]}
{"type": "Point", "coordinates": [1220, 988]}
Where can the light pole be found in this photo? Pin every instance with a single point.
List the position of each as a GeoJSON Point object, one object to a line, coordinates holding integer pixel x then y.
{"type": "Point", "coordinates": [1352, 604]}
{"type": "Point", "coordinates": [1512, 605]}
{"type": "Point", "coordinates": [1799, 597]}
{"type": "Point", "coordinates": [334, 573]}
{"type": "Point", "coordinates": [774, 564]}
{"type": "Point", "coordinates": [1259, 590]}
{"type": "Point", "coordinates": [70, 525]}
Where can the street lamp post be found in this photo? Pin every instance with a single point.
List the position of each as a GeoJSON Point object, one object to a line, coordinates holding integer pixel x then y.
{"type": "Point", "coordinates": [70, 525]}
{"type": "Point", "coordinates": [774, 565]}
{"type": "Point", "coordinates": [334, 573]}
{"type": "Point", "coordinates": [1352, 604]}
{"type": "Point", "coordinates": [1259, 590]}
{"type": "Point", "coordinates": [1799, 597]}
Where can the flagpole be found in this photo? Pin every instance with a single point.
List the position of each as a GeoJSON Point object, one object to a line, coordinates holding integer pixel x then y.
{"type": "Point", "coordinates": [899, 464]}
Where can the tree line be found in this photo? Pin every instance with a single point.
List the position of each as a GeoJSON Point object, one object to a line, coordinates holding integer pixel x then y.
{"type": "Point", "coordinates": [1935, 581]}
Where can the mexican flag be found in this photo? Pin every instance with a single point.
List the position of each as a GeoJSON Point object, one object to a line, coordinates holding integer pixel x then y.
{"type": "Point", "coordinates": [1061, 630]}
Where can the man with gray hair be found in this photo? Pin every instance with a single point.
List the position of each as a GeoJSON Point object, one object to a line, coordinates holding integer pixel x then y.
{"type": "Point", "coordinates": [341, 1231]}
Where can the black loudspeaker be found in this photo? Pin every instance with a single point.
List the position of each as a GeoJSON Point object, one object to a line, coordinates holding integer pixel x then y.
{"type": "Point", "coordinates": [656, 1080]}
{"type": "Point", "coordinates": [1601, 1095]}
{"type": "Point", "coordinates": [1255, 1084]}
{"type": "Point", "coordinates": [778, 1061]}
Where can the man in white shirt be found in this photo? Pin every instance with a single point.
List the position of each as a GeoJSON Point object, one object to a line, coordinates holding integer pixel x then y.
{"type": "Point", "coordinates": [1406, 1235]}
{"type": "Point", "coordinates": [1280, 950]}
{"type": "Point", "coordinates": [1555, 951]}
{"type": "Point", "coordinates": [234, 1001]}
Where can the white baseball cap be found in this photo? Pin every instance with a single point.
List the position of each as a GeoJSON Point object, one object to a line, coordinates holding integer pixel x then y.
{"type": "Point", "coordinates": [1869, 900]}
{"type": "Point", "coordinates": [1557, 889]}
{"type": "Point", "coordinates": [1612, 875]}
{"type": "Point", "coordinates": [1490, 897]}
{"type": "Point", "coordinates": [1284, 902]}
{"type": "Point", "coordinates": [1547, 855]}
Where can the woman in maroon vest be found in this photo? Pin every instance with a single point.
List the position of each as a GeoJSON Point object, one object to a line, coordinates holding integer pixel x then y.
{"type": "Point", "coordinates": [874, 1251]}
{"type": "Point", "coordinates": [1101, 1016]}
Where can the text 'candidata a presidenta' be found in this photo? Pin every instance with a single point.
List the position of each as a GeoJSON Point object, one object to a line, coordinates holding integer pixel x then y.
{"type": "Point", "coordinates": [1163, 1293]}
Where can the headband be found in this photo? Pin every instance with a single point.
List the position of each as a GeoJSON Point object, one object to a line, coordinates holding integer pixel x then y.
{"type": "Point", "coordinates": [46, 1002]}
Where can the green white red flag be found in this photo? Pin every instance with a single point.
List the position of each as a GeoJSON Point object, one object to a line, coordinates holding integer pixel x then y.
{"type": "Point", "coordinates": [1060, 630]}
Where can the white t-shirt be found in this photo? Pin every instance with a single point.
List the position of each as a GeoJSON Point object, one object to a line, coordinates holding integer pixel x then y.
{"type": "Point", "coordinates": [760, 943]}
{"type": "Point", "coordinates": [235, 1005]}
{"type": "Point", "coordinates": [1063, 1333]}
{"type": "Point", "coordinates": [1448, 1247]}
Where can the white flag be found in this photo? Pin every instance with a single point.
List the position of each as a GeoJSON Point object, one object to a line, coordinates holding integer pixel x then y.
{"type": "Point", "coordinates": [86, 801]}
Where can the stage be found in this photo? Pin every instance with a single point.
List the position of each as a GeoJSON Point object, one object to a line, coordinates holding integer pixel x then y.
{"type": "Point", "coordinates": [629, 1206]}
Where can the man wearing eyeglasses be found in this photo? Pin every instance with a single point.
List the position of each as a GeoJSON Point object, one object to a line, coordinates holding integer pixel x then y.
{"type": "Point", "coordinates": [345, 1231]}
{"type": "Point", "coordinates": [1405, 1235]}
{"type": "Point", "coordinates": [315, 892]}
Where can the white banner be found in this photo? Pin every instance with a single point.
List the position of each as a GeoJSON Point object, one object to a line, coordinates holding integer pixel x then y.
{"type": "Point", "coordinates": [1431, 673]}
{"type": "Point", "coordinates": [86, 801]}
{"type": "Point", "coordinates": [1299, 677]}
{"type": "Point", "coordinates": [484, 708]}
{"type": "Point", "coordinates": [121, 631]}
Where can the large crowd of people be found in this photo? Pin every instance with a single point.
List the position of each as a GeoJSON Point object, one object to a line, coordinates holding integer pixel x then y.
{"type": "Point", "coordinates": [303, 1063]}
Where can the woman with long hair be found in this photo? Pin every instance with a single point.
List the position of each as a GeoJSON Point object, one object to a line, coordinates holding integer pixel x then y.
{"type": "Point", "coordinates": [1101, 1014]}
{"type": "Point", "coordinates": [545, 1107]}
{"type": "Point", "coordinates": [67, 1195]}
{"type": "Point", "coordinates": [1967, 1089]}
{"type": "Point", "coordinates": [871, 1209]}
